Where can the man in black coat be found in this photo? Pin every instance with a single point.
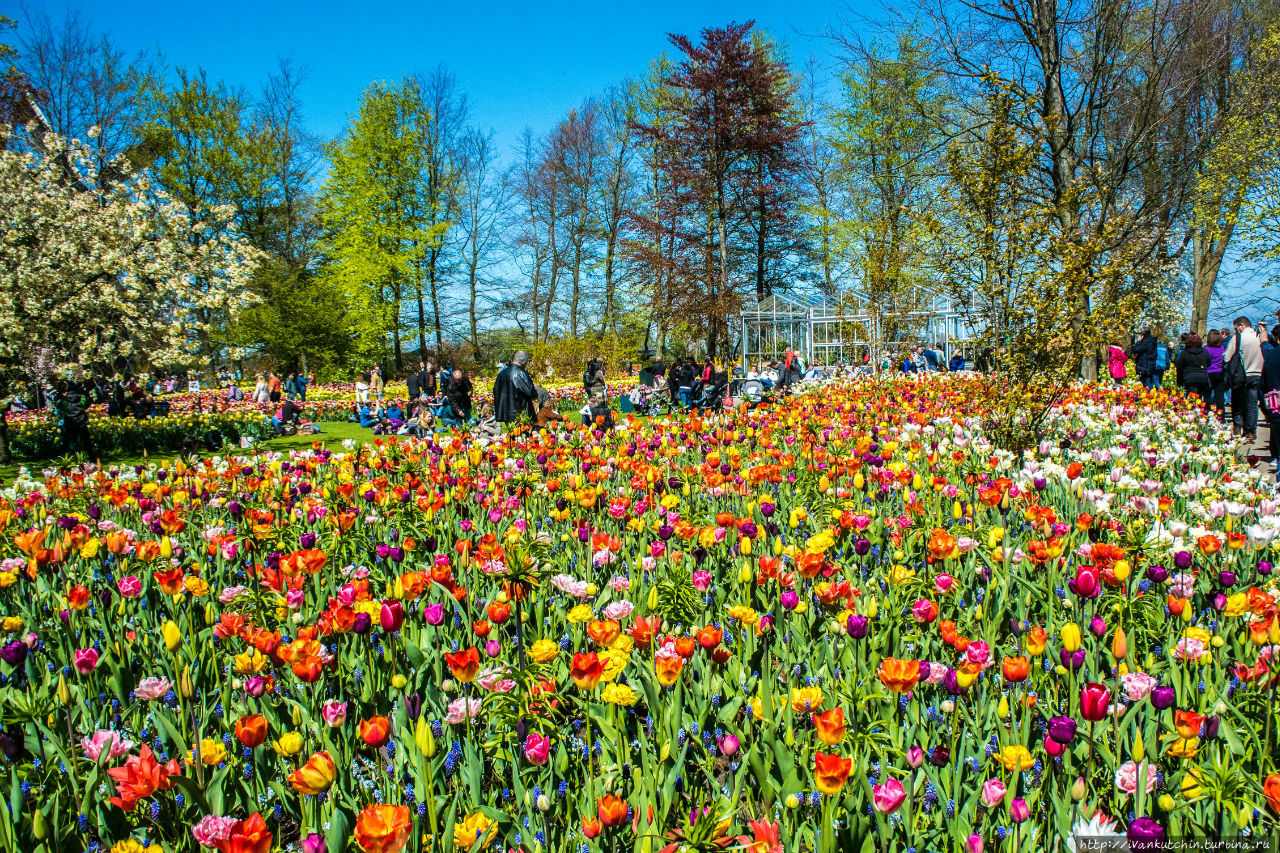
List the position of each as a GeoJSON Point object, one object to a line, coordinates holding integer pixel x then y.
{"type": "Point", "coordinates": [1144, 357]}
{"type": "Point", "coordinates": [413, 382]}
{"type": "Point", "coordinates": [513, 391]}
{"type": "Point", "coordinates": [459, 396]}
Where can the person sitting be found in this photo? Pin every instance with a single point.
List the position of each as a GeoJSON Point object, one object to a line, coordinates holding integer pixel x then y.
{"type": "Point", "coordinates": [369, 418]}
{"type": "Point", "coordinates": [547, 414]}
{"type": "Point", "coordinates": [289, 415]}
{"type": "Point", "coordinates": [956, 362]}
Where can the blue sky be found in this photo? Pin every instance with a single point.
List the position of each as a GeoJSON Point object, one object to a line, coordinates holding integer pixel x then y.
{"type": "Point", "coordinates": [520, 63]}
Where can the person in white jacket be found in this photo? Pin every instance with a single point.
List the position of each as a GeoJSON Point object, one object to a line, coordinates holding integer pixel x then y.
{"type": "Point", "coordinates": [1244, 399]}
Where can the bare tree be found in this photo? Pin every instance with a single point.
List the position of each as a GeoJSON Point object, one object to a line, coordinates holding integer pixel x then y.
{"type": "Point", "coordinates": [481, 211]}
{"type": "Point", "coordinates": [80, 80]}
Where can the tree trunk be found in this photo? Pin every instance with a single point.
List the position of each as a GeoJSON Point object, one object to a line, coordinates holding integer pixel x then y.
{"type": "Point", "coordinates": [1207, 252]}
{"type": "Point", "coordinates": [6, 456]}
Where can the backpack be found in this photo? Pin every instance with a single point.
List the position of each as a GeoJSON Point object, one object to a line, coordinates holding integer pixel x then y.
{"type": "Point", "coordinates": [1162, 356]}
{"type": "Point", "coordinates": [1233, 370]}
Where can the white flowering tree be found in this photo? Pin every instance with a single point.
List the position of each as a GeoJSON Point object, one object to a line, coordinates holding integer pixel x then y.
{"type": "Point", "coordinates": [96, 270]}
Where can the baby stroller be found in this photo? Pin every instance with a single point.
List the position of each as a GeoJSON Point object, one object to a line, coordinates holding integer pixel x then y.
{"type": "Point", "coordinates": [750, 391]}
{"type": "Point", "coordinates": [649, 403]}
{"type": "Point", "coordinates": [713, 394]}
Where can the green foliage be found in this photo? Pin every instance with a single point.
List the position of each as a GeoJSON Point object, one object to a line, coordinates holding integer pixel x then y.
{"type": "Point", "coordinates": [301, 314]}
{"type": "Point", "coordinates": [888, 135]}
{"type": "Point", "coordinates": [374, 207]}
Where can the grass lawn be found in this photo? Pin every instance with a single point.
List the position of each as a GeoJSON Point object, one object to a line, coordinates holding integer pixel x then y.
{"type": "Point", "coordinates": [331, 435]}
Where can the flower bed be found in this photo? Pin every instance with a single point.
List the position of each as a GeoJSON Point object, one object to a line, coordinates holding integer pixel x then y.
{"type": "Point", "coordinates": [843, 621]}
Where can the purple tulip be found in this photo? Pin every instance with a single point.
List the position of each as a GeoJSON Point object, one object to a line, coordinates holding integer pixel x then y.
{"type": "Point", "coordinates": [14, 654]}
{"type": "Point", "coordinates": [1163, 697]}
{"type": "Point", "coordinates": [939, 756]}
{"type": "Point", "coordinates": [1182, 560]}
{"type": "Point", "coordinates": [857, 626]}
{"type": "Point", "coordinates": [1062, 730]}
{"type": "Point", "coordinates": [1146, 829]}
{"type": "Point", "coordinates": [789, 599]}
{"type": "Point", "coordinates": [1226, 578]}
{"type": "Point", "coordinates": [1264, 567]}
{"type": "Point", "coordinates": [861, 547]}
{"type": "Point", "coordinates": [1157, 573]}
{"type": "Point", "coordinates": [307, 541]}
{"type": "Point", "coordinates": [362, 623]}
{"type": "Point", "coordinates": [1097, 626]}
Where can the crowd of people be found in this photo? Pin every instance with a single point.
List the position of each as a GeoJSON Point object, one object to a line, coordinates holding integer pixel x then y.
{"type": "Point", "coordinates": [1236, 367]}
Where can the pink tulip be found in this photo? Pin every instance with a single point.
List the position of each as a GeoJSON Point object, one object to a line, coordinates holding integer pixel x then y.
{"type": "Point", "coordinates": [314, 843]}
{"type": "Point", "coordinates": [105, 742]}
{"type": "Point", "coordinates": [887, 797]}
{"type": "Point", "coordinates": [915, 756]}
{"type": "Point", "coordinates": [86, 660]}
{"type": "Point", "coordinates": [993, 791]}
{"type": "Point", "coordinates": [334, 713]}
{"type": "Point", "coordinates": [433, 613]}
{"type": "Point", "coordinates": [729, 745]}
{"type": "Point", "coordinates": [211, 829]}
{"type": "Point", "coordinates": [537, 749]}
{"type": "Point", "coordinates": [973, 844]}
{"type": "Point", "coordinates": [392, 616]}
{"type": "Point", "coordinates": [130, 587]}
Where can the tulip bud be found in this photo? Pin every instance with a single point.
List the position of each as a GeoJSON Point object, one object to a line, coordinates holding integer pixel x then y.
{"type": "Point", "coordinates": [64, 692]}
{"type": "Point", "coordinates": [39, 826]}
{"type": "Point", "coordinates": [1119, 644]}
{"type": "Point", "coordinates": [184, 683]}
{"type": "Point", "coordinates": [1078, 789]}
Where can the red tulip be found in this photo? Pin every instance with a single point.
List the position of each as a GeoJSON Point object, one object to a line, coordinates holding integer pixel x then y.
{"type": "Point", "coordinates": [1094, 699]}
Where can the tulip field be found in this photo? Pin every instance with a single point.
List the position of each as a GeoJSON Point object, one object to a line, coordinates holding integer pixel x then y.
{"type": "Point", "coordinates": [846, 620]}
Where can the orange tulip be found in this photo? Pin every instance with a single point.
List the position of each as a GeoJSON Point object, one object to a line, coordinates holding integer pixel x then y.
{"type": "Point", "coordinates": [248, 836]}
{"type": "Point", "coordinates": [464, 665]}
{"type": "Point", "coordinates": [1016, 669]}
{"type": "Point", "coordinates": [383, 829]}
{"type": "Point", "coordinates": [1187, 723]}
{"type": "Point", "coordinates": [315, 776]}
{"type": "Point", "coordinates": [830, 726]}
{"type": "Point", "coordinates": [603, 632]}
{"type": "Point", "coordinates": [667, 668]}
{"type": "Point", "coordinates": [612, 810]}
{"type": "Point", "coordinates": [1271, 788]}
{"type": "Point", "coordinates": [830, 772]}
{"type": "Point", "coordinates": [900, 676]}
{"type": "Point", "coordinates": [645, 629]}
{"type": "Point", "coordinates": [375, 731]}
{"type": "Point", "coordinates": [709, 637]}
{"type": "Point", "coordinates": [251, 730]}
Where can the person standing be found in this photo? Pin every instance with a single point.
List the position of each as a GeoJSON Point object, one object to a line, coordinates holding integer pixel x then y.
{"type": "Point", "coordinates": [303, 382]}
{"type": "Point", "coordinates": [1243, 363]}
{"type": "Point", "coordinates": [75, 410]}
{"type": "Point", "coordinates": [1269, 387]}
{"type": "Point", "coordinates": [273, 388]}
{"type": "Point", "coordinates": [1217, 382]}
{"type": "Point", "coordinates": [413, 383]}
{"type": "Point", "coordinates": [513, 391]}
{"type": "Point", "coordinates": [593, 379]}
{"type": "Point", "coordinates": [1144, 358]}
{"type": "Point", "coordinates": [1193, 367]}
{"type": "Point", "coordinates": [1115, 363]}
{"type": "Point", "coordinates": [459, 397]}
{"type": "Point", "coordinates": [376, 386]}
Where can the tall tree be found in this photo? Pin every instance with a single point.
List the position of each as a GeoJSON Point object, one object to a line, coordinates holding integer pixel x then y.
{"type": "Point", "coordinates": [95, 273]}
{"type": "Point", "coordinates": [378, 228]}
{"type": "Point", "coordinates": [482, 209]}
{"type": "Point", "coordinates": [438, 198]}
{"type": "Point", "coordinates": [888, 133]}
{"type": "Point", "coordinates": [727, 85]}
